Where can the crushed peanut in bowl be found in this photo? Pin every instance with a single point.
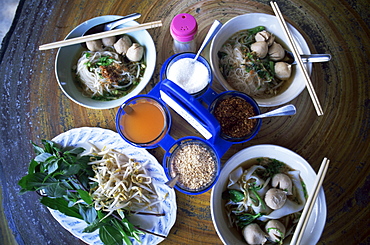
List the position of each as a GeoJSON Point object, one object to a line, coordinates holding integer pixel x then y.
{"type": "Point", "coordinates": [197, 165]}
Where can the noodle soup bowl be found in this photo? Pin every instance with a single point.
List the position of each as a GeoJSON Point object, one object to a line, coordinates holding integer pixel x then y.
{"type": "Point", "coordinates": [67, 57]}
{"type": "Point", "coordinates": [294, 85]}
{"type": "Point", "coordinates": [245, 158]}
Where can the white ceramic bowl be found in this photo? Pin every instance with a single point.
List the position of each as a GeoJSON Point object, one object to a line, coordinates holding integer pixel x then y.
{"type": "Point", "coordinates": [67, 58]}
{"type": "Point", "coordinates": [272, 25]}
{"type": "Point", "coordinates": [229, 235]}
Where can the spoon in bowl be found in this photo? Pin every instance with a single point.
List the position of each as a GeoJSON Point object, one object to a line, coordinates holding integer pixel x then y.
{"type": "Point", "coordinates": [286, 110]}
{"type": "Point", "coordinates": [306, 58]}
{"type": "Point", "coordinates": [172, 182]}
{"type": "Point", "coordinates": [110, 25]}
{"type": "Point", "coordinates": [216, 26]}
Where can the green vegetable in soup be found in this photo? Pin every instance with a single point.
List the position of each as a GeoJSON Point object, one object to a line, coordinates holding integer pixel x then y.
{"type": "Point", "coordinates": [233, 195]}
{"type": "Point", "coordinates": [245, 219]}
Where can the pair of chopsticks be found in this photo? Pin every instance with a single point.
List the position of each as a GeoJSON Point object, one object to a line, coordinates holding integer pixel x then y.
{"type": "Point", "coordinates": [297, 57]}
{"type": "Point", "coordinates": [301, 226]}
{"type": "Point", "coordinates": [100, 35]}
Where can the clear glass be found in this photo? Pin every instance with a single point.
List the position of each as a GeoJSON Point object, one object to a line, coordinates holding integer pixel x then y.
{"type": "Point", "coordinates": [181, 47]}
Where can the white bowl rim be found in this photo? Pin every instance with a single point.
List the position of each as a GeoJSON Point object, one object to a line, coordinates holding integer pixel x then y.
{"type": "Point", "coordinates": [77, 31]}
{"type": "Point", "coordinates": [252, 20]}
{"type": "Point", "coordinates": [317, 220]}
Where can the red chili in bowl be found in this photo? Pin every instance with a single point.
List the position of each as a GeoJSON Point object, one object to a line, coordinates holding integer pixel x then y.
{"type": "Point", "coordinates": [232, 113]}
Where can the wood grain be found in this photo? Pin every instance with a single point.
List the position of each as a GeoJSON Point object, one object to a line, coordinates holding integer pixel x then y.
{"type": "Point", "coordinates": [34, 108]}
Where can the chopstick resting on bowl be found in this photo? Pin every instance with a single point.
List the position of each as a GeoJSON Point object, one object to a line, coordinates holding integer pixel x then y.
{"type": "Point", "coordinates": [306, 213]}
{"type": "Point", "coordinates": [100, 35]}
{"type": "Point", "coordinates": [297, 57]}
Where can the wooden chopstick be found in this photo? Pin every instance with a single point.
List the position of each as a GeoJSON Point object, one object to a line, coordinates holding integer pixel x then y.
{"type": "Point", "coordinates": [301, 226]}
{"type": "Point", "coordinates": [100, 35]}
{"type": "Point", "coordinates": [297, 57]}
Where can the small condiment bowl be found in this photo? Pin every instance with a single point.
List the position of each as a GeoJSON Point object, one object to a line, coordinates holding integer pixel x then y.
{"type": "Point", "coordinates": [182, 159]}
{"type": "Point", "coordinates": [143, 121]}
{"type": "Point", "coordinates": [256, 110]}
{"type": "Point", "coordinates": [164, 74]}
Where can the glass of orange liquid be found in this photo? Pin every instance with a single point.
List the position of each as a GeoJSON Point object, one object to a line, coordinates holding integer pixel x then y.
{"type": "Point", "coordinates": [143, 121]}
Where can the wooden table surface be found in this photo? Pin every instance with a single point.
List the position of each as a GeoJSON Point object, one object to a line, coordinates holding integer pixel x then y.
{"type": "Point", "coordinates": [33, 108]}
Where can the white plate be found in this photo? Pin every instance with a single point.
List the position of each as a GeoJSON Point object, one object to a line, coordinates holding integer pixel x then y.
{"type": "Point", "coordinates": [67, 58]}
{"type": "Point", "coordinates": [317, 220]}
{"type": "Point", "coordinates": [270, 22]}
{"type": "Point", "coordinates": [80, 137]}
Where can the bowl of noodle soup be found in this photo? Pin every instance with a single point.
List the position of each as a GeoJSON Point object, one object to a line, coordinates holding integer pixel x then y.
{"type": "Point", "coordinates": [288, 90]}
{"type": "Point", "coordinates": [248, 168]}
{"type": "Point", "coordinates": [67, 60]}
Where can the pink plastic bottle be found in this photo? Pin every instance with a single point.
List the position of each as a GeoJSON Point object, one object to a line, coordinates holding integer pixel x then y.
{"type": "Point", "coordinates": [183, 29]}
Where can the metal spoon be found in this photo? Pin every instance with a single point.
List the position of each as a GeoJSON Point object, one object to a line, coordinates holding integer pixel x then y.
{"type": "Point", "coordinates": [110, 25]}
{"type": "Point", "coordinates": [172, 182]}
{"type": "Point", "coordinates": [282, 111]}
{"type": "Point", "coordinates": [313, 58]}
{"type": "Point", "coordinates": [216, 26]}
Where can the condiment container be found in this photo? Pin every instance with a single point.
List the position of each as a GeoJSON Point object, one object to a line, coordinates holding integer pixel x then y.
{"type": "Point", "coordinates": [196, 162]}
{"type": "Point", "coordinates": [213, 144]}
{"type": "Point", "coordinates": [143, 121]}
{"type": "Point", "coordinates": [195, 77]}
{"type": "Point", "coordinates": [183, 28]}
{"type": "Point", "coordinates": [232, 110]}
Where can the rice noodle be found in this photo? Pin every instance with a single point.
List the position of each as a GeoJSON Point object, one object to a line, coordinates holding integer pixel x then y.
{"type": "Point", "coordinates": [235, 55]}
{"type": "Point", "coordinates": [95, 85]}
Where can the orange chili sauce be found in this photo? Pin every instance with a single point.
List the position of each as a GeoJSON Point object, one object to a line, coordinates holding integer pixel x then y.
{"type": "Point", "coordinates": [144, 124]}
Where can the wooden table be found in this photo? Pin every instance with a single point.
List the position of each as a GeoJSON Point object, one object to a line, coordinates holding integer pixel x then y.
{"type": "Point", "coordinates": [33, 108]}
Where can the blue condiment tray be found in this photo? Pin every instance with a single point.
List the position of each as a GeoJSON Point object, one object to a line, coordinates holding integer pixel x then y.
{"type": "Point", "coordinates": [196, 110]}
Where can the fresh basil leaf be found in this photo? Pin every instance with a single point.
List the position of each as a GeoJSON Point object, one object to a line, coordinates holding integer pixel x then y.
{"type": "Point", "coordinates": [61, 205]}
{"type": "Point", "coordinates": [37, 149]}
{"type": "Point", "coordinates": [43, 157]}
{"type": "Point", "coordinates": [88, 213]}
{"type": "Point", "coordinates": [53, 166]}
{"type": "Point", "coordinates": [72, 170]}
{"type": "Point", "coordinates": [32, 182]}
{"type": "Point", "coordinates": [32, 166]}
{"type": "Point", "coordinates": [75, 151]}
{"type": "Point", "coordinates": [85, 196]}
{"type": "Point", "coordinates": [55, 190]}
{"type": "Point", "coordinates": [110, 235]}
{"type": "Point", "coordinates": [120, 225]}
{"type": "Point", "coordinates": [48, 145]}
{"type": "Point", "coordinates": [96, 224]}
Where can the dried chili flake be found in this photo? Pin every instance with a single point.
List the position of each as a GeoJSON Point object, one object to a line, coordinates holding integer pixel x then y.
{"type": "Point", "coordinates": [232, 113]}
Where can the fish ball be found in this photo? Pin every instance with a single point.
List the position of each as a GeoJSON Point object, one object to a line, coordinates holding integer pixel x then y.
{"type": "Point", "coordinates": [276, 230]}
{"type": "Point", "coordinates": [283, 182]}
{"type": "Point", "coordinates": [275, 198]}
{"type": "Point", "coordinates": [109, 41]}
{"type": "Point", "coordinates": [123, 44]}
{"type": "Point", "coordinates": [253, 234]}
{"type": "Point", "coordinates": [265, 36]}
{"type": "Point", "coordinates": [283, 70]}
{"type": "Point", "coordinates": [135, 52]}
{"type": "Point", "coordinates": [276, 52]}
{"type": "Point", "coordinates": [261, 48]}
{"type": "Point", "coordinates": [94, 45]}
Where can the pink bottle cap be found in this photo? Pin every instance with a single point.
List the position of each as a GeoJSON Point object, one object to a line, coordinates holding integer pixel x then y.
{"type": "Point", "coordinates": [183, 27]}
